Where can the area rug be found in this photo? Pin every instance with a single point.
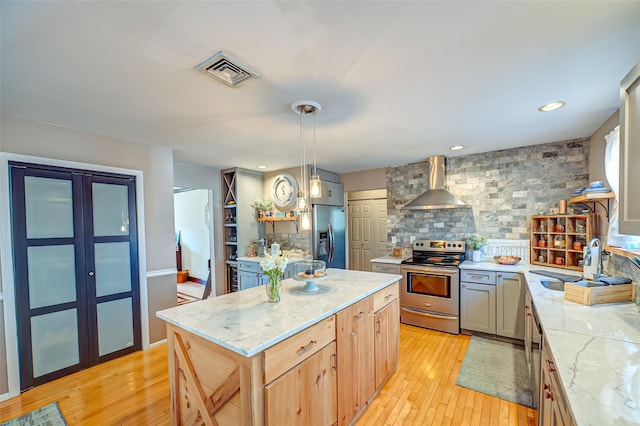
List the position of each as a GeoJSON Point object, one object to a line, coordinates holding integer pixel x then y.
{"type": "Point", "coordinates": [499, 369]}
{"type": "Point", "coordinates": [49, 415]}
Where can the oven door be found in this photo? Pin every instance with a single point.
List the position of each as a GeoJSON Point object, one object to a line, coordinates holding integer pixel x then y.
{"type": "Point", "coordinates": [431, 289]}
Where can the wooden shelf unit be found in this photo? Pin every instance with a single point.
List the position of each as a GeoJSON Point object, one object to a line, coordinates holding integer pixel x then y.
{"type": "Point", "coordinates": [239, 187]}
{"type": "Point", "coordinates": [576, 227]}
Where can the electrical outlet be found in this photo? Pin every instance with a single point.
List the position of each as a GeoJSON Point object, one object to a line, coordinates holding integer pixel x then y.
{"type": "Point", "coordinates": [412, 238]}
{"type": "Point", "coordinates": [394, 240]}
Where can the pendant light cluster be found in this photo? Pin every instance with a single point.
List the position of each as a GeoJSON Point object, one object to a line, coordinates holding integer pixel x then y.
{"type": "Point", "coordinates": [305, 109]}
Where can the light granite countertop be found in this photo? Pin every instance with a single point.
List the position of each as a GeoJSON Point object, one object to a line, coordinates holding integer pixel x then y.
{"type": "Point", "coordinates": [596, 349]}
{"type": "Point", "coordinates": [247, 324]}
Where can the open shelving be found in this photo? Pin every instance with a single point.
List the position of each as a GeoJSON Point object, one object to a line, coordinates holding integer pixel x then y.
{"type": "Point", "coordinates": [553, 238]}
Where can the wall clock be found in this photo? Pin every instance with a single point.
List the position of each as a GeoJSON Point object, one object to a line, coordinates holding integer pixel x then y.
{"type": "Point", "coordinates": [284, 191]}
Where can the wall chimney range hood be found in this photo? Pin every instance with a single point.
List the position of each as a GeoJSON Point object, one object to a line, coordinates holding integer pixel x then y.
{"type": "Point", "coordinates": [436, 197]}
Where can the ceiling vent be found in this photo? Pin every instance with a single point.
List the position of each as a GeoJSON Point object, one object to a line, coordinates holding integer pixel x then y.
{"type": "Point", "coordinates": [227, 69]}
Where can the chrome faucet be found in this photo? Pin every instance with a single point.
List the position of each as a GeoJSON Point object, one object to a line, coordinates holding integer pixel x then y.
{"type": "Point", "coordinates": [592, 260]}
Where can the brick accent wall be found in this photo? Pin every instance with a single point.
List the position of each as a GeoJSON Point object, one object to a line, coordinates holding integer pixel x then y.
{"type": "Point", "coordinates": [502, 189]}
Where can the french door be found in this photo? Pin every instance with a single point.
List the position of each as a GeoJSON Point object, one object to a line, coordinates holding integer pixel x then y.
{"type": "Point", "coordinates": [76, 269]}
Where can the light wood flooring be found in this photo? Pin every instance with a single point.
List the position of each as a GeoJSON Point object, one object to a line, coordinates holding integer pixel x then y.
{"type": "Point", "coordinates": [134, 390]}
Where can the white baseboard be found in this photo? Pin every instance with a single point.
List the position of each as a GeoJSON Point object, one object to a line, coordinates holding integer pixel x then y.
{"type": "Point", "coordinates": [158, 343]}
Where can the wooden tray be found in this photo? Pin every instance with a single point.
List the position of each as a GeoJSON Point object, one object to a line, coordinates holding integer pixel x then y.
{"type": "Point", "coordinates": [597, 295]}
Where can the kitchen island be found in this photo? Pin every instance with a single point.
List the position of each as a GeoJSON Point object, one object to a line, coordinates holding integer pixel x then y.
{"type": "Point", "coordinates": [237, 359]}
{"type": "Point", "coordinates": [596, 349]}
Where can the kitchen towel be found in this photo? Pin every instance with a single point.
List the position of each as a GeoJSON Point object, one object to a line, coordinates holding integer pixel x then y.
{"type": "Point", "coordinates": [615, 280]}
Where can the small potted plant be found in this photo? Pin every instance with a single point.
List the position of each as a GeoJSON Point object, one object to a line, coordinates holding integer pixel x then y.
{"type": "Point", "coordinates": [261, 205]}
{"type": "Point", "coordinates": [476, 242]}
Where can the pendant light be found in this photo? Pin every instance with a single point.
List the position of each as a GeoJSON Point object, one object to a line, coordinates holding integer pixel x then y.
{"type": "Point", "coordinates": [303, 109]}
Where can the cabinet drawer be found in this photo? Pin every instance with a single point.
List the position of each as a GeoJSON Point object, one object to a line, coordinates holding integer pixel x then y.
{"type": "Point", "coordinates": [385, 268]}
{"type": "Point", "coordinates": [385, 296]}
{"type": "Point", "coordinates": [482, 277]}
{"type": "Point", "coordinates": [249, 266]}
{"type": "Point", "coordinates": [289, 353]}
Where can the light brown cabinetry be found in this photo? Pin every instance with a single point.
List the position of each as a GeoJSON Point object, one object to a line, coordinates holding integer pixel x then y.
{"type": "Point", "coordinates": [386, 341]}
{"type": "Point", "coordinates": [553, 238]}
{"type": "Point", "coordinates": [325, 374]}
{"type": "Point", "coordinates": [305, 395]}
{"type": "Point", "coordinates": [629, 196]}
{"type": "Point", "coordinates": [355, 345]}
{"type": "Point", "coordinates": [553, 406]}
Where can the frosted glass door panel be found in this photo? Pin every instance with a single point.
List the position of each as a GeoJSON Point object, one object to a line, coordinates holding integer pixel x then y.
{"type": "Point", "coordinates": [110, 210]}
{"type": "Point", "coordinates": [115, 326]}
{"type": "Point", "coordinates": [54, 341]}
{"type": "Point", "coordinates": [49, 207]}
{"type": "Point", "coordinates": [113, 268]}
{"type": "Point", "coordinates": [52, 275]}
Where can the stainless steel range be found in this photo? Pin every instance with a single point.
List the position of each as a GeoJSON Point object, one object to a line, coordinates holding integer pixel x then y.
{"type": "Point", "coordinates": [430, 295]}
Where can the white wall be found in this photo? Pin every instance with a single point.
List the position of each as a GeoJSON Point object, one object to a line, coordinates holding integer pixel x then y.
{"type": "Point", "coordinates": [194, 176]}
{"type": "Point", "coordinates": [192, 223]}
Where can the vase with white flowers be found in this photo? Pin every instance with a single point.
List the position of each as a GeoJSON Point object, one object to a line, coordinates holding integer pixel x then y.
{"type": "Point", "coordinates": [262, 205]}
{"type": "Point", "coordinates": [476, 242]}
{"type": "Point", "coordinates": [273, 267]}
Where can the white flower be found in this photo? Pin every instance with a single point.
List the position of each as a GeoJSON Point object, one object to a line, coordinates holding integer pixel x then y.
{"type": "Point", "coordinates": [273, 265]}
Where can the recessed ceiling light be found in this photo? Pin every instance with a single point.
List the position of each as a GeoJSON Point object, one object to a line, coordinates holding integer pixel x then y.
{"type": "Point", "coordinates": [456, 147]}
{"type": "Point", "coordinates": [262, 166]}
{"type": "Point", "coordinates": [551, 106]}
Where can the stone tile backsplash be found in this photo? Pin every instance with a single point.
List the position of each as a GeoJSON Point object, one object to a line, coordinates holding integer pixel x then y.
{"type": "Point", "coordinates": [502, 189]}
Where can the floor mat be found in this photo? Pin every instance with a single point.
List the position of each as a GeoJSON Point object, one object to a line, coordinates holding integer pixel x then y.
{"type": "Point", "coordinates": [499, 369]}
{"type": "Point", "coordinates": [49, 415]}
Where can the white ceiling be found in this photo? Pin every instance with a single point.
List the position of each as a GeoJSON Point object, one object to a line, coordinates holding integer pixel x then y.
{"type": "Point", "coordinates": [398, 81]}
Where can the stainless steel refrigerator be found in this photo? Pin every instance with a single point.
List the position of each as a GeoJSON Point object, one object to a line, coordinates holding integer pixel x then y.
{"type": "Point", "coordinates": [328, 235]}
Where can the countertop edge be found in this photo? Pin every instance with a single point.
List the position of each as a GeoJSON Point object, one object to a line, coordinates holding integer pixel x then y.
{"type": "Point", "coordinates": [577, 335]}
{"type": "Point", "coordinates": [392, 278]}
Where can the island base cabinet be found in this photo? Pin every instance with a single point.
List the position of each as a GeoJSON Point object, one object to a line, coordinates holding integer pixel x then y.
{"type": "Point", "coordinates": [387, 342]}
{"type": "Point", "coordinates": [230, 393]}
{"type": "Point", "coordinates": [356, 377]}
{"type": "Point", "coordinates": [306, 394]}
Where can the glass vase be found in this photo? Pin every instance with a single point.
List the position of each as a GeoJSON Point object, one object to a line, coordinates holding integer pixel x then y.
{"type": "Point", "coordinates": [274, 289]}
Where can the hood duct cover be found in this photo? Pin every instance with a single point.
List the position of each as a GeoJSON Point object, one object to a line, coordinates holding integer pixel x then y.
{"type": "Point", "coordinates": [436, 197]}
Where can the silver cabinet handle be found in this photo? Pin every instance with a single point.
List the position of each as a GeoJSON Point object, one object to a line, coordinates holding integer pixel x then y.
{"type": "Point", "coordinates": [91, 273]}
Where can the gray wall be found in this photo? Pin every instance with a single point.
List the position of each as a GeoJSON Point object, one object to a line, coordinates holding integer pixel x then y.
{"type": "Point", "coordinates": [502, 189]}
{"type": "Point", "coordinates": [27, 137]}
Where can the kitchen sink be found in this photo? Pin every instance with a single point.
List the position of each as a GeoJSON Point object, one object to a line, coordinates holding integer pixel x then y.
{"type": "Point", "coordinates": [559, 285]}
{"type": "Point", "coordinates": [553, 284]}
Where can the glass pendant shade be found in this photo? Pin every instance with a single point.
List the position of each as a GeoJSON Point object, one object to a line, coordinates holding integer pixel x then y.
{"type": "Point", "coordinates": [302, 202]}
{"type": "Point", "coordinates": [305, 220]}
{"type": "Point", "coordinates": [315, 187]}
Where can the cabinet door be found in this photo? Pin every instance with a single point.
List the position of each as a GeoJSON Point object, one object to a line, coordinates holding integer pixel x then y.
{"type": "Point", "coordinates": [510, 305]}
{"type": "Point", "coordinates": [385, 268]}
{"type": "Point", "coordinates": [386, 341]}
{"type": "Point", "coordinates": [356, 376]}
{"type": "Point", "coordinates": [478, 307]}
{"type": "Point", "coordinates": [247, 280]}
{"type": "Point", "coordinates": [629, 196]}
{"type": "Point", "coordinates": [306, 394]}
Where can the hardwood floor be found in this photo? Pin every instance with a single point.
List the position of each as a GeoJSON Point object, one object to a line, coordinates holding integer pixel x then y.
{"type": "Point", "coordinates": [134, 390]}
{"type": "Point", "coordinates": [423, 391]}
